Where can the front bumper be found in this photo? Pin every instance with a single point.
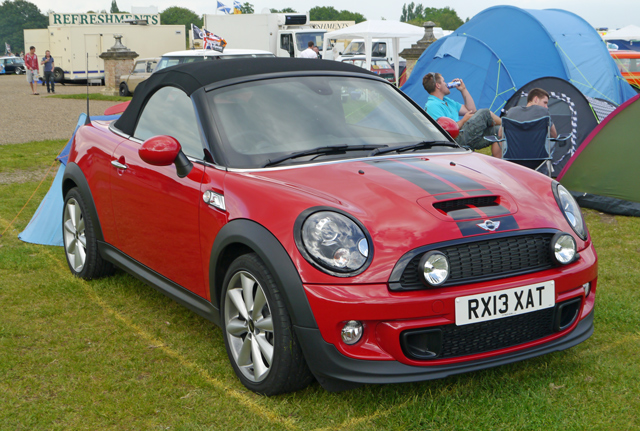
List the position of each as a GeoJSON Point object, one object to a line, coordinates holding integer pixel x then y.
{"type": "Point", "coordinates": [332, 368]}
{"type": "Point", "coordinates": [379, 357]}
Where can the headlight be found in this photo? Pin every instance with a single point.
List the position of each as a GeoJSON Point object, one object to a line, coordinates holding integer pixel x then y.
{"type": "Point", "coordinates": [435, 268]}
{"type": "Point", "coordinates": [563, 247]}
{"type": "Point", "coordinates": [570, 209]}
{"type": "Point", "coordinates": [333, 241]}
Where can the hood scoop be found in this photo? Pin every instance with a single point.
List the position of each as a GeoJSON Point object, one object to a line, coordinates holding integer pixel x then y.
{"type": "Point", "coordinates": [468, 207]}
{"type": "Point", "coordinates": [455, 205]}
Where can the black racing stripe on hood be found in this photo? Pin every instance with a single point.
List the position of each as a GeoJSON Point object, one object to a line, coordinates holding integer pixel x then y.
{"type": "Point", "coordinates": [449, 196]}
{"type": "Point", "coordinates": [447, 173]}
{"type": "Point", "coordinates": [494, 211]}
{"type": "Point", "coordinates": [424, 181]}
{"type": "Point", "coordinates": [468, 228]}
{"type": "Point", "coordinates": [464, 214]}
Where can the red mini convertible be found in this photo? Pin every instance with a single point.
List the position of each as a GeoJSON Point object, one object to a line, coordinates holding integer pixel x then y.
{"type": "Point", "coordinates": [328, 226]}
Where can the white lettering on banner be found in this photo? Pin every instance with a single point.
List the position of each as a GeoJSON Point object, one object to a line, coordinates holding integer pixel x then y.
{"type": "Point", "coordinates": [99, 18]}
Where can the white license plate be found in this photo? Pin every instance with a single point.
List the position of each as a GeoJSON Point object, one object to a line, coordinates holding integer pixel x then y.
{"type": "Point", "coordinates": [505, 303]}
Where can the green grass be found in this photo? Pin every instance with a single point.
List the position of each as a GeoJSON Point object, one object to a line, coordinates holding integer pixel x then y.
{"type": "Point", "coordinates": [92, 96]}
{"type": "Point", "coordinates": [115, 354]}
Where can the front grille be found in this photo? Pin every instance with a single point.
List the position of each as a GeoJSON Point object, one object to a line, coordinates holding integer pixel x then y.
{"type": "Point", "coordinates": [450, 341]}
{"type": "Point", "coordinates": [459, 204]}
{"type": "Point", "coordinates": [488, 259]}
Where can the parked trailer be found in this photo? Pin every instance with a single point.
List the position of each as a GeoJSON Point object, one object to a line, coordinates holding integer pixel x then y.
{"type": "Point", "coordinates": [69, 45]}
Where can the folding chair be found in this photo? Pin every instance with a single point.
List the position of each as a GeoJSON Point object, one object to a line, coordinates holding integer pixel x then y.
{"type": "Point", "coordinates": [528, 143]}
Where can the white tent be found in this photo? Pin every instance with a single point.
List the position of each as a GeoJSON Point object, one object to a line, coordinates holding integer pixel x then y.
{"type": "Point", "coordinates": [369, 30]}
{"type": "Point", "coordinates": [630, 32]}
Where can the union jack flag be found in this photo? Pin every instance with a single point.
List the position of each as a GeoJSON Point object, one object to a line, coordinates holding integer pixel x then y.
{"type": "Point", "coordinates": [210, 40]}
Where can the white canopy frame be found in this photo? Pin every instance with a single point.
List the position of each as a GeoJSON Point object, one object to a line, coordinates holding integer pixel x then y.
{"type": "Point", "coordinates": [376, 29]}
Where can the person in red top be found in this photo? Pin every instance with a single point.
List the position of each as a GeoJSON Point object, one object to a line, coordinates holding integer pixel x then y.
{"type": "Point", "coordinates": [33, 69]}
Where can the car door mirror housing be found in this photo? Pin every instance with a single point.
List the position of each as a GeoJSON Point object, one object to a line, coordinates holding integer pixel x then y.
{"type": "Point", "coordinates": [164, 150]}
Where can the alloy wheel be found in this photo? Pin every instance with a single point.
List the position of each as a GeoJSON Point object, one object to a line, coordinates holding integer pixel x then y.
{"type": "Point", "coordinates": [249, 326]}
{"type": "Point", "coordinates": [75, 241]}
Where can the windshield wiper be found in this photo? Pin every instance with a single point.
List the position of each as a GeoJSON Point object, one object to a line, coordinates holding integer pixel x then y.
{"type": "Point", "coordinates": [415, 146]}
{"type": "Point", "coordinates": [321, 151]}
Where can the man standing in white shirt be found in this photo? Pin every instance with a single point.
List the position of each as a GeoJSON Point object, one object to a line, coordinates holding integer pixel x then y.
{"type": "Point", "coordinates": [309, 52]}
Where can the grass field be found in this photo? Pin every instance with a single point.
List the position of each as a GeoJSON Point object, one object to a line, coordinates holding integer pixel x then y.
{"type": "Point", "coordinates": [115, 354]}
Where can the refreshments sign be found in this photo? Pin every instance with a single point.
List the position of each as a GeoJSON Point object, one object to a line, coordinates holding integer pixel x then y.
{"type": "Point", "coordinates": [100, 18]}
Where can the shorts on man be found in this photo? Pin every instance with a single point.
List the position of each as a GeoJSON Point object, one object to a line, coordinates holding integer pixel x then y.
{"type": "Point", "coordinates": [32, 76]}
{"type": "Point", "coordinates": [473, 131]}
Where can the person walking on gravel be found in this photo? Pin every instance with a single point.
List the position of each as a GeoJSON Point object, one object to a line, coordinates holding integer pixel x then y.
{"type": "Point", "coordinates": [31, 63]}
{"type": "Point", "coordinates": [47, 63]}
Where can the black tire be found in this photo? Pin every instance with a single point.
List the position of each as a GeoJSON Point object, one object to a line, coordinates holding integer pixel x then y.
{"type": "Point", "coordinates": [124, 90]}
{"type": "Point", "coordinates": [80, 245]}
{"type": "Point", "coordinates": [288, 370]}
{"type": "Point", "coordinates": [58, 75]}
{"type": "Point", "coordinates": [19, 70]}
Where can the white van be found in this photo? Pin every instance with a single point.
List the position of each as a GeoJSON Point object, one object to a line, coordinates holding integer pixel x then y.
{"type": "Point", "coordinates": [193, 55]}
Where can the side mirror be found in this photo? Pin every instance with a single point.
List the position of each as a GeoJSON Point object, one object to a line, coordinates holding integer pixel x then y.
{"type": "Point", "coordinates": [164, 150]}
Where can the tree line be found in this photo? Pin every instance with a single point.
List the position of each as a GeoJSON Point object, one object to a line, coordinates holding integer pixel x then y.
{"type": "Point", "coordinates": [417, 14]}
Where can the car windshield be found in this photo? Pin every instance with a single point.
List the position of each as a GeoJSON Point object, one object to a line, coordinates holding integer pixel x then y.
{"type": "Point", "coordinates": [354, 48]}
{"type": "Point", "coordinates": [302, 40]}
{"type": "Point", "coordinates": [263, 121]}
{"type": "Point", "coordinates": [380, 64]}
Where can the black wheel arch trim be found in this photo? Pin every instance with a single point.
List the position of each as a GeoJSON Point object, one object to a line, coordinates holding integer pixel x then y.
{"type": "Point", "coordinates": [261, 241]}
{"type": "Point", "coordinates": [74, 175]}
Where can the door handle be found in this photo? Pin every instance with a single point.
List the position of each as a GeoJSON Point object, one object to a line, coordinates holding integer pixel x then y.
{"type": "Point", "coordinates": [118, 165]}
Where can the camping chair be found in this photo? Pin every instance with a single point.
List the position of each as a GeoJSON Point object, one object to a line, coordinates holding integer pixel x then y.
{"type": "Point", "coordinates": [528, 143]}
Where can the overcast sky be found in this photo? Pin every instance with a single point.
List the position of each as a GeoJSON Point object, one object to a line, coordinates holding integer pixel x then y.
{"type": "Point", "coordinates": [599, 13]}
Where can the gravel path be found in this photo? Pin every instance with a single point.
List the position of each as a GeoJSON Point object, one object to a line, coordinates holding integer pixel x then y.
{"type": "Point", "coordinates": [25, 118]}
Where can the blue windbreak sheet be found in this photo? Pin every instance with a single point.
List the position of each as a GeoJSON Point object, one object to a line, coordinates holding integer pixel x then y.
{"type": "Point", "coordinates": [45, 226]}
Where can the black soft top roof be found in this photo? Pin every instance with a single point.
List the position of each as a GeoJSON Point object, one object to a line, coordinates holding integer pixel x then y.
{"type": "Point", "coordinates": [192, 76]}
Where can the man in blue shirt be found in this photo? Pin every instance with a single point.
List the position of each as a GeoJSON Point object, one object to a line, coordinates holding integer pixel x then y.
{"type": "Point", "coordinates": [474, 125]}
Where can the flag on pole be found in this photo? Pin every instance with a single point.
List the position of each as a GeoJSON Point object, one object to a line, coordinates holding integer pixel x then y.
{"type": "Point", "coordinates": [209, 40]}
{"type": "Point", "coordinates": [237, 7]}
{"type": "Point", "coordinates": [7, 48]}
{"type": "Point", "coordinates": [223, 8]}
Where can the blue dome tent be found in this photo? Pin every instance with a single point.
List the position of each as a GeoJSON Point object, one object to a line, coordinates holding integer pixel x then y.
{"type": "Point", "coordinates": [504, 47]}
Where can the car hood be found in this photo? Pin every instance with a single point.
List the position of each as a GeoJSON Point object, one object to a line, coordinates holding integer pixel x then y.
{"type": "Point", "coordinates": [409, 198]}
{"type": "Point", "coordinates": [403, 202]}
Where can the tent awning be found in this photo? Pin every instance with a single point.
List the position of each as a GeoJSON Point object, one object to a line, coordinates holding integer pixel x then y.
{"type": "Point", "coordinates": [630, 32]}
{"type": "Point", "coordinates": [379, 29]}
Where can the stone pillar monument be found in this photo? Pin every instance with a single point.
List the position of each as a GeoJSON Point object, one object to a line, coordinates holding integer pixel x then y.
{"type": "Point", "coordinates": [413, 54]}
{"type": "Point", "coordinates": [118, 61]}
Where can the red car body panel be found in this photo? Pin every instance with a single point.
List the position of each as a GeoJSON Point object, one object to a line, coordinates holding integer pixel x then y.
{"type": "Point", "coordinates": [388, 205]}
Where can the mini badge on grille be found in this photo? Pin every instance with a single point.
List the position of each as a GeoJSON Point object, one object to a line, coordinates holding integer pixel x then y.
{"type": "Point", "coordinates": [489, 225]}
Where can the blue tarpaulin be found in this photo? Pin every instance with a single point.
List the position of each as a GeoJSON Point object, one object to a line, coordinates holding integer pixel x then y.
{"type": "Point", "coordinates": [504, 47]}
{"type": "Point", "coordinates": [45, 226]}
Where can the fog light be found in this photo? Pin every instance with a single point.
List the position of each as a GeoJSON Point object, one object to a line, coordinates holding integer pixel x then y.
{"type": "Point", "coordinates": [352, 332]}
{"type": "Point", "coordinates": [435, 267]}
{"type": "Point", "coordinates": [564, 248]}
{"type": "Point", "coordinates": [587, 289]}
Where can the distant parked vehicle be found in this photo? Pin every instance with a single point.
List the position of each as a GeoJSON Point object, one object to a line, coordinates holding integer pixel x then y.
{"type": "Point", "coordinates": [194, 55]}
{"type": "Point", "coordinates": [379, 66]}
{"type": "Point", "coordinates": [12, 65]}
{"type": "Point", "coordinates": [629, 64]}
{"type": "Point", "coordinates": [142, 69]}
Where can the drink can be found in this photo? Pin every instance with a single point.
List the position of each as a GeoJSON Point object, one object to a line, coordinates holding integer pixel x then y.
{"type": "Point", "coordinates": [453, 84]}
